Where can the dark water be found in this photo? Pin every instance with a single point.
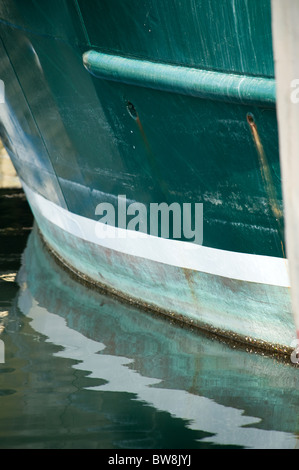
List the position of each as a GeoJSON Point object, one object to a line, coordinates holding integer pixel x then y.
{"type": "Point", "coordinates": [84, 371]}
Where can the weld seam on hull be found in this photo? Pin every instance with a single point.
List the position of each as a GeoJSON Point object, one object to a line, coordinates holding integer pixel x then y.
{"type": "Point", "coordinates": [233, 265]}
{"type": "Point", "coordinates": [218, 86]}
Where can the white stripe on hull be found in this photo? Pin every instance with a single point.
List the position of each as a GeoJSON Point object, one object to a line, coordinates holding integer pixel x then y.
{"type": "Point", "coordinates": [240, 266]}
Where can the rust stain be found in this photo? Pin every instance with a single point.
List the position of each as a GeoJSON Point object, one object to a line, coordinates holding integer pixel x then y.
{"type": "Point", "coordinates": [189, 279]}
{"type": "Point", "coordinates": [150, 155]}
{"type": "Point", "coordinates": [267, 178]}
{"type": "Point", "coordinates": [143, 135]}
{"type": "Point", "coordinates": [152, 160]}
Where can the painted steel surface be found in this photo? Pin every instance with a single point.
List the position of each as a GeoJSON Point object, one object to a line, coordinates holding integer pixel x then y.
{"type": "Point", "coordinates": [76, 131]}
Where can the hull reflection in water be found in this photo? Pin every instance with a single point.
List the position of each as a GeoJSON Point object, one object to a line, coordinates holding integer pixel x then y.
{"type": "Point", "coordinates": [236, 398]}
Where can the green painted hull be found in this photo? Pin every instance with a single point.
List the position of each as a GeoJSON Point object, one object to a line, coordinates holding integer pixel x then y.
{"type": "Point", "coordinates": [76, 129]}
{"type": "Point", "coordinates": [199, 77]}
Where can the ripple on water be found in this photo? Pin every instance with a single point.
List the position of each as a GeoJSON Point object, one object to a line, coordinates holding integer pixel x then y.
{"type": "Point", "coordinates": [7, 391]}
{"type": "Point", "coordinates": [6, 370]}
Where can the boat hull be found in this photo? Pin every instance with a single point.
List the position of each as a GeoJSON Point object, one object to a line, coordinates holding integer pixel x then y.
{"type": "Point", "coordinates": [98, 109]}
{"type": "Point", "coordinates": [237, 308]}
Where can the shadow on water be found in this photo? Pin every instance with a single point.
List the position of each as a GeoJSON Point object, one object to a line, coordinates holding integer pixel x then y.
{"type": "Point", "coordinates": [83, 370]}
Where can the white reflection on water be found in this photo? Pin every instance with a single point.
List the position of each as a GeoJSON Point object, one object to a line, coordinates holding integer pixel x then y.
{"type": "Point", "coordinates": [226, 424]}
